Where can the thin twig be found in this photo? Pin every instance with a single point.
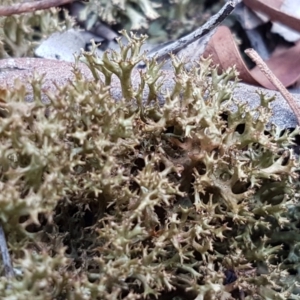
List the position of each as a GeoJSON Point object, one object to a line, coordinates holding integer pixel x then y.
{"type": "Point", "coordinates": [180, 44]}
{"type": "Point", "coordinates": [8, 269]}
{"type": "Point", "coordinates": [275, 81]}
{"type": "Point", "coordinates": [20, 8]}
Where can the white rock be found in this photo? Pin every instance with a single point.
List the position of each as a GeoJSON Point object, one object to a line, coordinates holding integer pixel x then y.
{"type": "Point", "coordinates": [61, 46]}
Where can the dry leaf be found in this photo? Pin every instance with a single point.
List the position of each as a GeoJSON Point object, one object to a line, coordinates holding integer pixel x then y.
{"type": "Point", "coordinates": [224, 51]}
{"type": "Point", "coordinates": [272, 9]}
{"type": "Point", "coordinates": [290, 7]}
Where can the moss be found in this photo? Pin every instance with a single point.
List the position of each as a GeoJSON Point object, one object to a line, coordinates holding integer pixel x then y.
{"type": "Point", "coordinates": [133, 200]}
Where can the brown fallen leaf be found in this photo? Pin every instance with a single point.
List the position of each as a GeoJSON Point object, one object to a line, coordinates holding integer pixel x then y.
{"type": "Point", "coordinates": [285, 65]}
{"type": "Point", "coordinates": [272, 9]}
{"type": "Point", "coordinates": [224, 51]}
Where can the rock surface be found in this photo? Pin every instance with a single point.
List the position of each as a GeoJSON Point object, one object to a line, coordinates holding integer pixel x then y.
{"type": "Point", "coordinates": [61, 72]}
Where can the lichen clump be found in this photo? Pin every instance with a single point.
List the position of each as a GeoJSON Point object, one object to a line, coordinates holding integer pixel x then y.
{"type": "Point", "coordinates": [161, 20]}
{"type": "Point", "coordinates": [103, 199]}
{"type": "Point", "coordinates": [20, 34]}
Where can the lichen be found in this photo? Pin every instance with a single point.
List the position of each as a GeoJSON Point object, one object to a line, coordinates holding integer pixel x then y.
{"type": "Point", "coordinates": [129, 199]}
{"type": "Point", "coordinates": [137, 12]}
{"type": "Point", "coordinates": [161, 20]}
{"type": "Point", "coordinates": [20, 34]}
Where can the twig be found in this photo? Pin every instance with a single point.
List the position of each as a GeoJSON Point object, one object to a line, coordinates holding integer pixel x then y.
{"type": "Point", "coordinates": [197, 34]}
{"type": "Point", "coordinates": [275, 81]}
{"type": "Point", "coordinates": [8, 269]}
{"type": "Point", "coordinates": [20, 8]}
